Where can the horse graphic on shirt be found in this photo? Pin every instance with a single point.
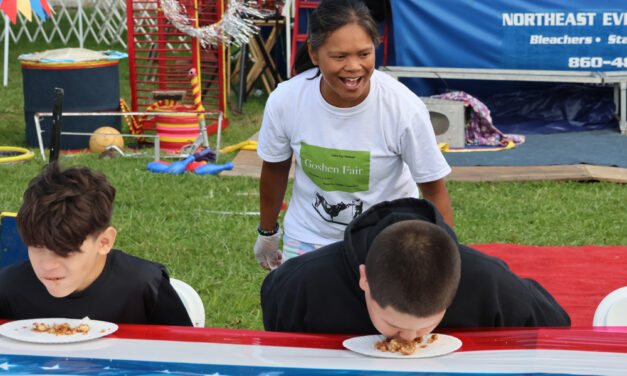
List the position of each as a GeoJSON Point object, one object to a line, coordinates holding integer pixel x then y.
{"type": "Point", "coordinates": [332, 211]}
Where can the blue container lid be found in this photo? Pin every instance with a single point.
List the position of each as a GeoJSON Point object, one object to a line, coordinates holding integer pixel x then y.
{"type": "Point", "coordinates": [71, 55]}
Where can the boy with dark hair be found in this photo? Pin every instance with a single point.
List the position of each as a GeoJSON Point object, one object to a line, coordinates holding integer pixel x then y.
{"type": "Point", "coordinates": [73, 270]}
{"type": "Point", "coordinates": [401, 272]}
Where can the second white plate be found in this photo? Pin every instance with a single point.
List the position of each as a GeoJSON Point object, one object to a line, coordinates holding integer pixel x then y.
{"type": "Point", "coordinates": [364, 345]}
{"type": "Point", "coordinates": [22, 330]}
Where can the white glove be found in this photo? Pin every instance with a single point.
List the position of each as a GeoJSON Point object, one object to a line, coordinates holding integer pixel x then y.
{"type": "Point", "coordinates": [267, 250]}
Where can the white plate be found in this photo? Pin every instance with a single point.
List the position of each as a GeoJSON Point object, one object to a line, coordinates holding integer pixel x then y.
{"type": "Point", "coordinates": [22, 330]}
{"type": "Point", "coordinates": [365, 345]}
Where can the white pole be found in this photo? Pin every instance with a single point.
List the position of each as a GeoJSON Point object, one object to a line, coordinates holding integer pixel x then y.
{"type": "Point", "coordinates": [7, 30]}
{"type": "Point", "coordinates": [80, 23]}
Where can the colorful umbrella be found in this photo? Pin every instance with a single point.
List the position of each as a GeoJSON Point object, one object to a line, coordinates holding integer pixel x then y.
{"type": "Point", "coordinates": [26, 7]}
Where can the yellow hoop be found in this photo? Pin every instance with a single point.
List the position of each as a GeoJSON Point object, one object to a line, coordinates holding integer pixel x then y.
{"type": "Point", "coordinates": [26, 154]}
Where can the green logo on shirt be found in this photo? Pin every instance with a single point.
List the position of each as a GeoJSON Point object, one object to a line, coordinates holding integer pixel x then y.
{"type": "Point", "coordinates": [334, 169]}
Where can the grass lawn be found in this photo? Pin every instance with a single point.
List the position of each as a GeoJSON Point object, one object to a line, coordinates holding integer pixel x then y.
{"type": "Point", "coordinates": [165, 217]}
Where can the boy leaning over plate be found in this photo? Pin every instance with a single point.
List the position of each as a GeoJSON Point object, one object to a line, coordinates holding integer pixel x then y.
{"type": "Point", "coordinates": [73, 270]}
{"type": "Point", "coordinates": [401, 272]}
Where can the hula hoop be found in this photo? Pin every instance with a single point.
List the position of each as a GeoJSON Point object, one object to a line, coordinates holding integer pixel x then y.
{"type": "Point", "coordinates": [25, 154]}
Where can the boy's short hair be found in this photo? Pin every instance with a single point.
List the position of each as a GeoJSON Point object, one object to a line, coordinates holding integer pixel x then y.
{"type": "Point", "coordinates": [413, 266]}
{"type": "Point", "coordinates": [62, 207]}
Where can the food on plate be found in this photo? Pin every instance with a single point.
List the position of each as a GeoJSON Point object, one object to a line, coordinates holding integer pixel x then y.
{"type": "Point", "coordinates": [394, 345]}
{"type": "Point", "coordinates": [60, 329]}
{"type": "Point", "coordinates": [404, 347]}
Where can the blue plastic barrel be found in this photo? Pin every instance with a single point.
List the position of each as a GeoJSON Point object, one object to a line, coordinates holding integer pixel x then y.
{"type": "Point", "coordinates": [90, 81]}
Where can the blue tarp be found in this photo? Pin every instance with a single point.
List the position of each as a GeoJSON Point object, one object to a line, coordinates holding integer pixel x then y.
{"type": "Point", "coordinates": [605, 147]}
{"type": "Point", "coordinates": [513, 34]}
{"type": "Point", "coordinates": [557, 108]}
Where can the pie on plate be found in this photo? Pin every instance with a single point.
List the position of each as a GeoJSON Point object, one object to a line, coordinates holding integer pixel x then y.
{"type": "Point", "coordinates": [57, 330]}
{"type": "Point", "coordinates": [382, 347]}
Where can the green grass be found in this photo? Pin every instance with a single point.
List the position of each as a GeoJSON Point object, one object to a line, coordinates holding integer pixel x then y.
{"type": "Point", "coordinates": [164, 217]}
{"type": "Point", "coordinates": [540, 213]}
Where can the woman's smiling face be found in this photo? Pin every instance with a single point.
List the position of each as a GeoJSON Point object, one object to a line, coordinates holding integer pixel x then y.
{"type": "Point", "coordinates": [346, 60]}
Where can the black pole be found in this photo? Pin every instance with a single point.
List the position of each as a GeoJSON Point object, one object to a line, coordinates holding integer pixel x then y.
{"type": "Point", "coordinates": [241, 95]}
{"type": "Point", "coordinates": [55, 136]}
{"type": "Point", "coordinates": [266, 57]}
{"type": "Point", "coordinates": [276, 50]}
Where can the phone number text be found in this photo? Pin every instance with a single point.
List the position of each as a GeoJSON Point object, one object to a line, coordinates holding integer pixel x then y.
{"type": "Point", "coordinates": [596, 62]}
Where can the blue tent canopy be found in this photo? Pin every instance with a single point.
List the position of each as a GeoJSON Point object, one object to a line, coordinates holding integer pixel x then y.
{"type": "Point", "coordinates": [520, 34]}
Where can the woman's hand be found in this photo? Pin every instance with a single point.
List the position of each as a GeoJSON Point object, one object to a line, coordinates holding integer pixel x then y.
{"type": "Point", "coordinates": [267, 250]}
{"type": "Point", "coordinates": [272, 186]}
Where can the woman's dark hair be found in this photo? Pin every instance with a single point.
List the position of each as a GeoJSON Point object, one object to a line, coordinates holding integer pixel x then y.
{"type": "Point", "coordinates": [62, 207]}
{"type": "Point", "coordinates": [329, 16]}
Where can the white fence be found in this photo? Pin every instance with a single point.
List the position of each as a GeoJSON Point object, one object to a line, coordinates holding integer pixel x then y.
{"type": "Point", "coordinates": [102, 20]}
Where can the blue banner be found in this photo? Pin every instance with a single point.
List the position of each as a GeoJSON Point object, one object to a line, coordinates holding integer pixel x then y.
{"type": "Point", "coordinates": [511, 34]}
{"type": "Point", "coordinates": [584, 35]}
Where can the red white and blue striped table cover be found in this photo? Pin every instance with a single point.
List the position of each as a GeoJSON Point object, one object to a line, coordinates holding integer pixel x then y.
{"type": "Point", "coordinates": [159, 350]}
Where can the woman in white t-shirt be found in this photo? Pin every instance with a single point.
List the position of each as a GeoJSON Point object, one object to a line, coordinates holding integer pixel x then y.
{"type": "Point", "coordinates": [358, 137]}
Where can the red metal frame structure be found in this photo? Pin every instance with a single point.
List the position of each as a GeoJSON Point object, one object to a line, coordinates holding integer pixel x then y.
{"type": "Point", "coordinates": [160, 56]}
{"type": "Point", "coordinates": [302, 9]}
{"type": "Point", "coordinates": [297, 37]}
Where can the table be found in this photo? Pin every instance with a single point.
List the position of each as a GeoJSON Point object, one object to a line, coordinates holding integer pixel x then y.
{"type": "Point", "coordinates": [261, 51]}
{"type": "Point", "coordinates": [145, 349]}
{"type": "Point", "coordinates": [616, 78]}
{"type": "Point", "coordinates": [263, 66]}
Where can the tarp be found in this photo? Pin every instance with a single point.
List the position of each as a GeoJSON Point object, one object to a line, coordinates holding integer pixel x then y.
{"type": "Point", "coordinates": [603, 147]}
{"type": "Point", "coordinates": [507, 34]}
{"type": "Point", "coordinates": [552, 109]}
{"type": "Point", "coordinates": [568, 273]}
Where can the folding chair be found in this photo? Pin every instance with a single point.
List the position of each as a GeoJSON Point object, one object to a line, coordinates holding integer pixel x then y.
{"type": "Point", "coordinates": [191, 300]}
{"type": "Point", "coordinates": [612, 311]}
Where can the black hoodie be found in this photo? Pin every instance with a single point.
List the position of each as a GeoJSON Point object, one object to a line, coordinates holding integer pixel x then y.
{"type": "Point", "coordinates": [319, 291]}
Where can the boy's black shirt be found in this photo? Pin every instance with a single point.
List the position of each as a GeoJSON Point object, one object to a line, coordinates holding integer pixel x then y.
{"type": "Point", "coordinates": [319, 291]}
{"type": "Point", "coordinates": [129, 290]}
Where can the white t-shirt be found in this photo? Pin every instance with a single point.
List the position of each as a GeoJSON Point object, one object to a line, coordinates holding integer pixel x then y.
{"type": "Point", "coordinates": [347, 159]}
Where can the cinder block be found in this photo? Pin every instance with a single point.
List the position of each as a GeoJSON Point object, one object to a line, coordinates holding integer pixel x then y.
{"type": "Point", "coordinates": [448, 118]}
